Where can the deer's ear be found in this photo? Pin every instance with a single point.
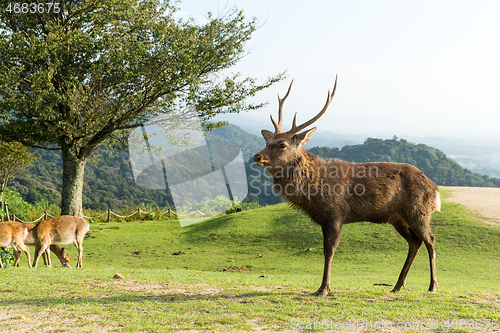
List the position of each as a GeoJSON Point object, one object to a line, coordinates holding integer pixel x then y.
{"type": "Point", "coordinates": [268, 135]}
{"type": "Point", "coordinates": [304, 137]}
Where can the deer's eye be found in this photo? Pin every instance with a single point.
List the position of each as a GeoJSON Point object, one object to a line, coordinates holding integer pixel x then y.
{"type": "Point", "coordinates": [282, 145]}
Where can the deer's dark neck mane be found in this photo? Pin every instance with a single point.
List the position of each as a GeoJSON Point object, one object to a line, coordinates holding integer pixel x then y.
{"type": "Point", "coordinates": [301, 181]}
{"type": "Point", "coordinates": [301, 169]}
{"type": "Point", "coordinates": [296, 179]}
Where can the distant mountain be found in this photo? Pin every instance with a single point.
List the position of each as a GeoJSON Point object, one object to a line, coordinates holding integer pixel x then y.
{"type": "Point", "coordinates": [109, 181]}
{"type": "Point", "coordinates": [249, 144]}
{"type": "Point", "coordinates": [433, 162]}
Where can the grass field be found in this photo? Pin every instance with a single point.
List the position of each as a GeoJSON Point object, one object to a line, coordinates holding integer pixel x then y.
{"type": "Point", "coordinates": [254, 270]}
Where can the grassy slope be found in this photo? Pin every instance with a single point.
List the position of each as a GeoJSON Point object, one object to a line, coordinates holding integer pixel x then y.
{"type": "Point", "coordinates": [275, 240]}
{"type": "Point", "coordinates": [161, 294]}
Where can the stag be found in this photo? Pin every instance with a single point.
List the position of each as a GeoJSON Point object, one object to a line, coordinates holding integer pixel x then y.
{"type": "Point", "coordinates": [334, 192]}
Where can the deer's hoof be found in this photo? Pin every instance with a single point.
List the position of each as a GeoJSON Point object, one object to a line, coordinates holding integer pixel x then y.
{"type": "Point", "coordinates": [320, 293]}
{"type": "Point", "coordinates": [397, 288]}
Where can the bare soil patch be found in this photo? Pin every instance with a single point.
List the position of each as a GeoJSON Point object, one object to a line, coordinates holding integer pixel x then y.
{"type": "Point", "coordinates": [483, 200]}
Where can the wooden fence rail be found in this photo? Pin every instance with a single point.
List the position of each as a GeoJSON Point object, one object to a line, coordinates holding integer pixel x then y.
{"type": "Point", "coordinates": [46, 215]}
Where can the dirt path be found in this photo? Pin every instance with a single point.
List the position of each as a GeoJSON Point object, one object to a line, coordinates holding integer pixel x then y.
{"type": "Point", "coordinates": [484, 200]}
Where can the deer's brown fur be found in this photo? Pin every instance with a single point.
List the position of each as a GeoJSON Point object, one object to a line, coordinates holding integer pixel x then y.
{"type": "Point", "coordinates": [18, 235]}
{"type": "Point", "coordinates": [335, 192]}
{"type": "Point", "coordinates": [60, 230]}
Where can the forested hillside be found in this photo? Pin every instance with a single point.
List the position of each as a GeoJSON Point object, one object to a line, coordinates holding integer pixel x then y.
{"type": "Point", "coordinates": [109, 181]}
{"type": "Point", "coordinates": [433, 162]}
{"type": "Point", "coordinates": [249, 144]}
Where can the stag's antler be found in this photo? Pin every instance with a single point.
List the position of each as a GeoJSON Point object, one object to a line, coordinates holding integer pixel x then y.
{"type": "Point", "coordinates": [277, 127]}
{"type": "Point", "coordinates": [329, 98]}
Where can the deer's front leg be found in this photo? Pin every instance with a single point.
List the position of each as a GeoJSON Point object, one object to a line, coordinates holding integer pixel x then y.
{"type": "Point", "coordinates": [331, 238]}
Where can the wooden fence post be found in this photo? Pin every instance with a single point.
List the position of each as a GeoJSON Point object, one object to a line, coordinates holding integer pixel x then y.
{"type": "Point", "coordinates": [13, 217]}
{"type": "Point", "coordinates": [7, 211]}
{"type": "Point", "coordinates": [139, 212]}
{"type": "Point", "coordinates": [109, 214]}
{"type": "Point", "coordinates": [45, 215]}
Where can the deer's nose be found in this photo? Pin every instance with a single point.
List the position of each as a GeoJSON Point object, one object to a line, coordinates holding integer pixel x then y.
{"type": "Point", "coordinates": [257, 158]}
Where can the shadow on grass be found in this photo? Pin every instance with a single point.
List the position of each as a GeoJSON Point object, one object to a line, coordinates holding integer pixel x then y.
{"type": "Point", "coordinates": [158, 298]}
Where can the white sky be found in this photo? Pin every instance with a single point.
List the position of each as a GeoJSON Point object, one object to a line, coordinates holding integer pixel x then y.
{"type": "Point", "coordinates": [410, 68]}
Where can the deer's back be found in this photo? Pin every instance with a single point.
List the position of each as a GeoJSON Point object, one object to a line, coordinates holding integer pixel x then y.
{"type": "Point", "coordinates": [12, 231]}
{"type": "Point", "coordinates": [356, 192]}
{"type": "Point", "coordinates": [62, 229]}
{"type": "Point", "coordinates": [399, 189]}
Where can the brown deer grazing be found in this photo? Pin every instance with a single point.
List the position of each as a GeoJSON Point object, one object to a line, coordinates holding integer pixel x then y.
{"type": "Point", "coordinates": [334, 192]}
{"type": "Point", "coordinates": [18, 235]}
{"type": "Point", "coordinates": [60, 230]}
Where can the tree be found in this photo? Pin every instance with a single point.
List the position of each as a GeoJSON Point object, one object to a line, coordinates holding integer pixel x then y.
{"type": "Point", "coordinates": [14, 157]}
{"type": "Point", "coordinates": [88, 72]}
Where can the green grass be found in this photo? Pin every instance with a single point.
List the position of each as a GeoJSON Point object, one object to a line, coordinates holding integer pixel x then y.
{"type": "Point", "coordinates": [253, 270]}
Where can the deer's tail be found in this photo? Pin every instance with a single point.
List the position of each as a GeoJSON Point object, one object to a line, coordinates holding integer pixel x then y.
{"type": "Point", "coordinates": [438, 201]}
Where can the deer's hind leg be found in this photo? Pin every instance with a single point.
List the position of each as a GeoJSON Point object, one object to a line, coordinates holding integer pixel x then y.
{"type": "Point", "coordinates": [17, 256]}
{"type": "Point", "coordinates": [79, 246]}
{"type": "Point", "coordinates": [423, 231]}
{"type": "Point", "coordinates": [46, 257]}
{"type": "Point", "coordinates": [17, 253]}
{"type": "Point", "coordinates": [414, 243]}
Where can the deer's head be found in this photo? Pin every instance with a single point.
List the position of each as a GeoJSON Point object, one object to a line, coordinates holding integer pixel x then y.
{"type": "Point", "coordinates": [64, 258]}
{"type": "Point", "coordinates": [282, 148]}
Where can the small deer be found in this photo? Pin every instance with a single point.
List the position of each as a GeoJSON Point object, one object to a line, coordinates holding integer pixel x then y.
{"type": "Point", "coordinates": [13, 234]}
{"type": "Point", "coordinates": [17, 235]}
{"type": "Point", "coordinates": [60, 230]}
{"type": "Point", "coordinates": [333, 192]}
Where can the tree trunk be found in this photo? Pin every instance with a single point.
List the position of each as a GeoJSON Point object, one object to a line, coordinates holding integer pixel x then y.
{"type": "Point", "coordinates": [3, 186]}
{"type": "Point", "coordinates": [72, 187]}
{"type": "Point", "coordinates": [3, 204]}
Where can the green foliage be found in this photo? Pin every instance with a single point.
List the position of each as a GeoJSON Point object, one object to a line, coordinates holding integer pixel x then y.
{"type": "Point", "coordinates": [7, 257]}
{"type": "Point", "coordinates": [17, 205]}
{"type": "Point", "coordinates": [136, 61]}
{"type": "Point", "coordinates": [247, 206]}
{"type": "Point", "coordinates": [219, 204]}
{"type": "Point", "coordinates": [14, 158]}
{"type": "Point", "coordinates": [150, 211]}
{"type": "Point", "coordinates": [206, 207]}
{"type": "Point", "coordinates": [109, 182]}
{"type": "Point", "coordinates": [89, 74]}
{"type": "Point", "coordinates": [433, 162]}
{"type": "Point", "coordinates": [44, 205]}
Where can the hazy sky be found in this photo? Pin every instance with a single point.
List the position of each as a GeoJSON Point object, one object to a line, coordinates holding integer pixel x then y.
{"type": "Point", "coordinates": [409, 68]}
